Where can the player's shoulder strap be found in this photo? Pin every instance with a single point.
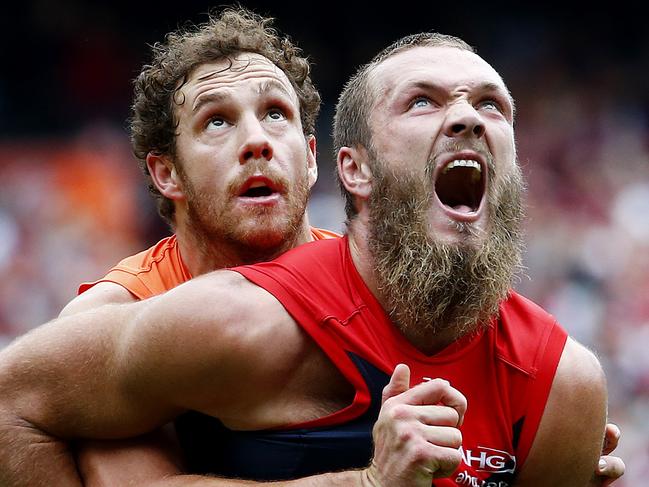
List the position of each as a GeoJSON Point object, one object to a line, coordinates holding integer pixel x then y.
{"type": "Point", "coordinates": [150, 272]}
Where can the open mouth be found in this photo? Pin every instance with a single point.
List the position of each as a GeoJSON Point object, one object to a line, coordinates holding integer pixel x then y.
{"type": "Point", "coordinates": [460, 185]}
{"type": "Point", "coordinates": [257, 192]}
{"type": "Point", "coordinates": [258, 187]}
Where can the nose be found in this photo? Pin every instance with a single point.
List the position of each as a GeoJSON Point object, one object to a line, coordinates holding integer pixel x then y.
{"type": "Point", "coordinates": [255, 144]}
{"type": "Point", "coordinates": [464, 121]}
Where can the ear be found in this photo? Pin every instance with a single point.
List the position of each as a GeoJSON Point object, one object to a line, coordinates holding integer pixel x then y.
{"type": "Point", "coordinates": [354, 171]}
{"type": "Point", "coordinates": [312, 165]}
{"type": "Point", "coordinates": [164, 175]}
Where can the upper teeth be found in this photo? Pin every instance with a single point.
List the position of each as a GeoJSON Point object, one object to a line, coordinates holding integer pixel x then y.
{"type": "Point", "coordinates": [257, 184]}
{"type": "Point", "coordinates": [462, 163]}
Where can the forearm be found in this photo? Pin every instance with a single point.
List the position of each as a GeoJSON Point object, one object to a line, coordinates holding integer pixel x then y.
{"type": "Point", "coordinates": [352, 478]}
{"type": "Point", "coordinates": [153, 461]}
{"type": "Point", "coordinates": [68, 377]}
{"type": "Point", "coordinates": [31, 458]}
{"type": "Point", "coordinates": [53, 385]}
{"type": "Point", "coordinates": [133, 462]}
{"type": "Point", "coordinates": [29, 455]}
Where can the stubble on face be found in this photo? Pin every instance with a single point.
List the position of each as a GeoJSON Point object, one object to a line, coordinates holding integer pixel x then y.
{"type": "Point", "coordinates": [430, 286]}
{"type": "Point", "coordinates": [259, 235]}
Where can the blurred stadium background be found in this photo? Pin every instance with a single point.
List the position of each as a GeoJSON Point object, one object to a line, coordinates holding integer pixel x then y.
{"type": "Point", "coordinates": [72, 202]}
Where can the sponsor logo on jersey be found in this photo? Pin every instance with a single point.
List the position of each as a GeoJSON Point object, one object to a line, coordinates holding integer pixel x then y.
{"type": "Point", "coordinates": [465, 478]}
{"type": "Point", "coordinates": [485, 459]}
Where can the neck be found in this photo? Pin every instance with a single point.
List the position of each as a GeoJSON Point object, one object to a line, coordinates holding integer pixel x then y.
{"type": "Point", "coordinates": [423, 340]}
{"type": "Point", "coordinates": [201, 256]}
{"type": "Point", "coordinates": [361, 256]}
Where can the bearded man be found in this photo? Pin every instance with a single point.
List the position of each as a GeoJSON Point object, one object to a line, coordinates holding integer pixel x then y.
{"type": "Point", "coordinates": [287, 361]}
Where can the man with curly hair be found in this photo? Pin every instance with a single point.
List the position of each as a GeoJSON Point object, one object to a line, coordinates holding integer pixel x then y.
{"type": "Point", "coordinates": [223, 126]}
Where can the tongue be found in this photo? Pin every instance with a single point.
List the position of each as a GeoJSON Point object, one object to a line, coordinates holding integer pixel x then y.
{"type": "Point", "coordinates": [463, 208]}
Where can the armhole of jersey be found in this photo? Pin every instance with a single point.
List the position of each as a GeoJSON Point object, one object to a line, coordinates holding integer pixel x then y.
{"type": "Point", "coordinates": [316, 328]}
{"type": "Point", "coordinates": [539, 391]}
{"type": "Point", "coordinates": [125, 279]}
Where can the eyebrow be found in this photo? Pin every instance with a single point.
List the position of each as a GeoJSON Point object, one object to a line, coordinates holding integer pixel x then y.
{"type": "Point", "coordinates": [496, 87]}
{"type": "Point", "coordinates": [222, 95]}
{"type": "Point", "coordinates": [486, 86]}
{"type": "Point", "coordinates": [273, 85]}
{"type": "Point", "coordinates": [210, 98]}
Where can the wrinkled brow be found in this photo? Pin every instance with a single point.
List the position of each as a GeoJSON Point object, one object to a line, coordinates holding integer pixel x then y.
{"type": "Point", "coordinates": [264, 89]}
{"type": "Point", "coordinates": [210, 98]}
{"type": "Point", "coordinates": [273, 85]}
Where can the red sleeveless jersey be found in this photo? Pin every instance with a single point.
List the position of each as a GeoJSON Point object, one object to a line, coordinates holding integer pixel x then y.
{"type": "Point", "coordinates": [505, 371]}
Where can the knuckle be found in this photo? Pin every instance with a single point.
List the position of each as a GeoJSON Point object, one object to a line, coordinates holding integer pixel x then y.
{"type": "Point", "coordinates": [441, 383]}
{"type": "Point", "coordinates": [420, 453]}
{"type": "Point", "coordinates": [456, 438]}
{"type": "Point", "coordinates": [405, 435]}
{"type": "Point", "coordinates": [388, 401]}
{"type": "Point", "coordinates": [453, 416]}
{"type": "Point", "coordinates": [447, 416]}
{"type": "Point", "coordinates": [449, 459]}
{"type": "Point", "coordinates": [398, 412]}
{"type": "Point", "coordinates": [463, 405]}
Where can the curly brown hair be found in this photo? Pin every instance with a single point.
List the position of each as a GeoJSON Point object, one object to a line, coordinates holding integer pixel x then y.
{"type": "Point", "coordinates": [225, 34]}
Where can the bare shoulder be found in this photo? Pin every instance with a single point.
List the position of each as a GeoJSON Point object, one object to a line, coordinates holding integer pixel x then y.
{"type": "Point", "coordinates": [98, 295]}
{"type": "Point", "coordinates": [223, 303]}
{"type": "Point", "coordinates": [569, 440]}
{"type": "Point", "coordinates": [217, 332]}
{"type": "Point", "coordinates": [580, 370]}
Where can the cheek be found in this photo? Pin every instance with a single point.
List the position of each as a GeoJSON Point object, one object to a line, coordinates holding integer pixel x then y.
{"type": "Point", "coordinates": [293, 157]}
{"type": "Point", "coordinates": [414, 140]}
{"type": "Point", "coordinates": [212, 183]}
{"type": "Point", "coordinates": [504, 149]}
{"type": "Point", "coordinates": [299, 174]}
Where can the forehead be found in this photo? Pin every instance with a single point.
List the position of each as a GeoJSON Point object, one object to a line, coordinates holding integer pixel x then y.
{"type": "Point", "coordinates": [448, 67]}
{"type": "Point", "coordinates": [243, 71]}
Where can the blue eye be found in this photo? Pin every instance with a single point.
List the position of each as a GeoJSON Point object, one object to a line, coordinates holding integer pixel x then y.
{"type": "Point", "coordinates": [420, 102]}
{"type": "Point", "coordinates": [490, 105]}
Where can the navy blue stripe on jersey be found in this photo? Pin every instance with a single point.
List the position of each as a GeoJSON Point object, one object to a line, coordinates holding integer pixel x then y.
{"type": "Point", "coordinates": [211, 448]}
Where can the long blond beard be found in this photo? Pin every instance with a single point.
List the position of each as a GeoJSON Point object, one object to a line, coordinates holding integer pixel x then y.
{"type": "Point", "coordinates": [429, 286]}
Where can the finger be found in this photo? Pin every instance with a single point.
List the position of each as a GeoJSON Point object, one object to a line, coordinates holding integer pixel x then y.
{"type": "Point", "coordinates": [437, 391]}
{"type": "Point", "coordinates": [611, 468]}
{"type": "Point", "coordinates": [436, 415]}
{"type": "Point", "coordinates": [399, 382]}
{"type": "Point", "coordinates": [611, 438]}
{"type": "Point", "coordinates": [447, 461]}
{"type": "Point", "coordinates": [445, 436]}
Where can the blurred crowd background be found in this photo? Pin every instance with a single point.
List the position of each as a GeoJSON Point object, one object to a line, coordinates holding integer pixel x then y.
{"type": "Point", "coordinates": [72, 201]}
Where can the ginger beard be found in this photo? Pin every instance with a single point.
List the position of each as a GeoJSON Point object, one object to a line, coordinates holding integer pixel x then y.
{"type": "Point", "coordinates": [431, 286]}
{"type": "Point", "coordinates": [259, 235]}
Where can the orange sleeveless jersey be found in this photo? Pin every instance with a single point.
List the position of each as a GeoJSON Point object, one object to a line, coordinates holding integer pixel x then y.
{"type": "Point", "coordinates": [160, 268]}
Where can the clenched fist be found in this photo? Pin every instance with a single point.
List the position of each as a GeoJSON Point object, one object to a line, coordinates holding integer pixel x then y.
{"type": "Point", "coordinates": [416, 436]}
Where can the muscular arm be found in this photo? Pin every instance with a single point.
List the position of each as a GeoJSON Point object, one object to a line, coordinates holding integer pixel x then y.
{"type": "Point", "coordinates": [121, 463]}
{"type": "Point", "coordinates": [123, 370]}
{"type": "Point", "coordinates": [152, 459]}
{"type": "Point", "coordinates": [76, 377]}
{"type": "Point", "coordinates": [416, 440]}
{"type": "Point", "coordinates": [29, 453]}
{"type": "Point", "coordinates": [569, 440]}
